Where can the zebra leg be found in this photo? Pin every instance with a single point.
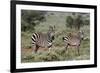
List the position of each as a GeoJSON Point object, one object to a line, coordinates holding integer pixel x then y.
{"type": "Point", "coordinates": [78, 50]}
{"type": "Point", "coordinates": [49, 47]}
{"type": "Point", "coordinates": [33, 49]}
{"type": "Point", "coordinates": [36, 49]}
{"type": "Point", "coordinates": [66, 47]}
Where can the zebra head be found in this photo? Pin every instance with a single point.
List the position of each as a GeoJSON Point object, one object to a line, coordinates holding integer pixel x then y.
{"type": "Point", "coordinates": [51, 33]}
{"type": "Point", "coordinates": [81, 35]}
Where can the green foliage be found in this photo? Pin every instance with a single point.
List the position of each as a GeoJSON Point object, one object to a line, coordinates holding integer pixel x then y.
{"type": "Point", "coordinates": [69, 21]}
{"type": "Point", "coordinates": [30, 18]}
{"type": "Point", "coordinates": [77, 20]}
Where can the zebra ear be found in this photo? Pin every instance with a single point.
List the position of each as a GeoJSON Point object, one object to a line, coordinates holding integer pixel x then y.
{"type": "Point", "coordinates": [81, 32]}
{"type": "Point", "coordinates": [69, 34]}
{"type": "Point", "coordinates": [51, 28]}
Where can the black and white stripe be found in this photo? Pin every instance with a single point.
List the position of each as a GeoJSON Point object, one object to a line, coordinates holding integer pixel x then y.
{"type": "Point", "coordinates": [43, 40]}
{"type": "Point", "coordinates": [35, 36]}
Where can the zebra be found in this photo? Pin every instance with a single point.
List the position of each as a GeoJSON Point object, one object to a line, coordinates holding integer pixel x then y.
{"type": "Point", "coordinates": [43, 40]}
{"type": "Point", "coordinates": [74, 40]}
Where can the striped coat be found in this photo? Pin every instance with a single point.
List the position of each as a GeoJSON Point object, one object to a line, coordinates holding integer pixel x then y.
{"type": "Point", "coordinates": [74, 40]}
{"type": "Point", "coordinates": [42, 40]}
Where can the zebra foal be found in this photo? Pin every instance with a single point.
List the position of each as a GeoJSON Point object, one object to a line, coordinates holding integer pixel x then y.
{"type": "Point", "coordinates": [74, 40]}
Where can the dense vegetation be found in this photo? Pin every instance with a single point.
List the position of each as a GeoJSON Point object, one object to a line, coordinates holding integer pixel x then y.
{"type": "Point", "coordinates": [77, 20]}
{"type": "Point", "coordinates": [39, 21]}
{"type": "Point", "coordinates": [30, 19]}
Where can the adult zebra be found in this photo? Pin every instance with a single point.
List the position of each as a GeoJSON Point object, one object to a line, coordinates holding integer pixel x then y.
{"type": "Point", "coordinates": [43, 40]}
